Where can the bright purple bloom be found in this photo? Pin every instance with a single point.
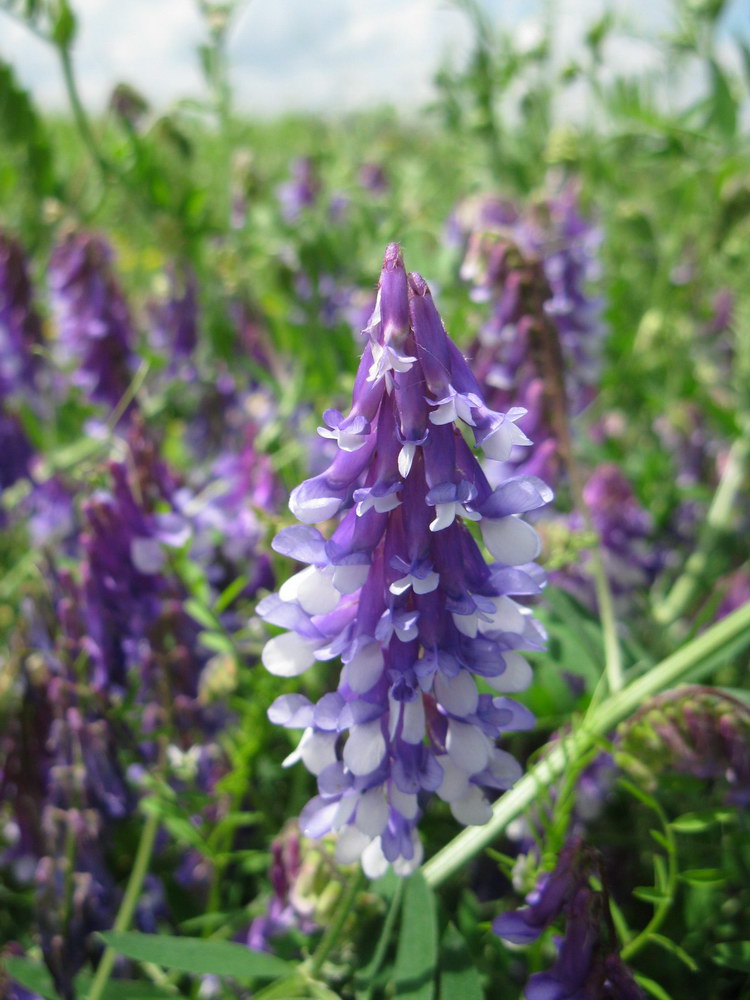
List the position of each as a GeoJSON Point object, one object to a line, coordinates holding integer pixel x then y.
{"type": "Point", "coordinates": [402, 593]}
{"type": "Point", "coordinates": [93, 322]}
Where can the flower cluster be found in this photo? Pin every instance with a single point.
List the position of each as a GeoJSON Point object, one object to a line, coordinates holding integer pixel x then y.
{"type": "Point", "coordinates": [174, 318]}
{"type": "Point", "coordinates": [588, 965]}
{"type": "Point", "coordinates": [20, 326]}
{"type": "Point", "coordinates": [402, 593]}
{"type": "Point", "coordinates": [625, 530]}
{"type": "Point", "coordinates": [93, 321]}
{"type": "Point", "coordinates": [300, 191]}
{"type": "Point", "coordinates": [534, 269]}
{"type": "Point", "coordinates": [698, 731]}
{"type": "Point", "coordinates": [20, 336]}
{"type": "Point", "coordinates": [113, 681]}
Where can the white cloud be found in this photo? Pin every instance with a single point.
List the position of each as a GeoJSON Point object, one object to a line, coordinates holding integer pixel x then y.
{"type": "Point", "coordinates": [311, 54]}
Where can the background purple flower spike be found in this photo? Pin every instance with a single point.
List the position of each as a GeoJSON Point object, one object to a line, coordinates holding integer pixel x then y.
{"type": "Point", "coordinates": [94, 326]}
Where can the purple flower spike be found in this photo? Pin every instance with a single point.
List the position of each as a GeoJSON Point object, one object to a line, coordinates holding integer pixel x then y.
{"type": "Point", "coordinates": [588, 965]}
{"type": "Point", "coordinates": [403, 595]}
{"type": "Point", "coordinates": [20, 326]}
{"type": "Point", "coordinates": [94, 328]}
{"type": "Point", "coordinates": [541, 345]}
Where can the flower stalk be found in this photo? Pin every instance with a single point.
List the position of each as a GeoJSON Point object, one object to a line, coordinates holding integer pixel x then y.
{"type": "Point", "coordinates": [724, 503]}
{"type": "Point", "coordinates": [129, 902]}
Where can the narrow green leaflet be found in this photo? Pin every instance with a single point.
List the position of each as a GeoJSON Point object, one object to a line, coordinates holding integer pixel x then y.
{"type": "Point", "coordinates": [196, 955]}
{"type": "Point", "coordinates": [459, 979]}
{"type": "Point", "coordinates": [653, 988]}
{"type": "Point", "coordinates": [416, 957]}
{"type": "Point", "coordinates": [365, 977]}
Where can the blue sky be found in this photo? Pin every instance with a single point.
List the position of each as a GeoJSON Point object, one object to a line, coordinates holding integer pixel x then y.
{"type": "Point", "coordinates": [310, 54]}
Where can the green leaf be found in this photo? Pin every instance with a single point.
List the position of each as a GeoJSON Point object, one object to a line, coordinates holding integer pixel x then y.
{"type": "Point", "coordinates": [416, 957]}
{"type": "Point", "coordinates": [703, 876]}
{"type": "Point", "coordinates": [638, 793]}
{"type": "Point", "coordinates": [459, 979]}
{"type": "Point", "coordinates": [652, 987]}
{"type": "Point", "coordinates": [32, 976]}
{"type": "Point", "coordinates": [733, 955]}
{"type": "Point", "coordinates": [650, 895]}
{"type": "Point", "coordinates": [216, 641]}
{"type": "Point", "coordinates": [723, 105]}
{"type": "Point", "coordinates": [660, 839]}
{"type": "Point", "coordinates": [229, 593]}
{"type": "Point", "coordinates": [671, 946]}
{"type": "Point", "coordinates": [203, 615]}
{"type": "Point", "coordinates": [196, 955]}
{"type": "Point", "coordinates": [700, 822]}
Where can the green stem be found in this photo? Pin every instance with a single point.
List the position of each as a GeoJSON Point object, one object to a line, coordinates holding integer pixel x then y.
{"type": "Point", "coordinates": [129, 903]}
{"type": "Point", "coordinates": [612, 653]}
{"type": "Point", "coordinates": [382, 946]}
{"type": "Point", "coordinates": [331, 936]}
{"type": "Point", "coordinates": [717, 522]}
{"type": "Point", "coordinates": [662, 909]}
{"type": "Point", "coordinates": [694, 660]}
{"type": "Point", "coordinates": [79, 113]}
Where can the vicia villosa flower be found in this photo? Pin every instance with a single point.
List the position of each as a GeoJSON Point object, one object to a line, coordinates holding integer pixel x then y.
{"type": "Point", "coordinates": [403, 595]}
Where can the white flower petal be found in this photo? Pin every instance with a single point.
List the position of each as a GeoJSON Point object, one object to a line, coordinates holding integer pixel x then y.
{"type": "Point", "coordinates": [347, 579]}
{"type": "Point", "coordinates": [458, 695]}
{"type": "Point", "coordinates": [507, 617]}
{"type": "Point", "coordinates": [406, 459]}
{"type": "Point", "coordinates": [445, 514]}
{"type": "Point", "coordinates": [505, 767]}
{"type": "Point", "coordinates": [515, 677]}
{"type": "Point", "coordinates": [445, 413]}
{"type": "Point", "coordinates": [399, 587]}
{"type": "Point", "coordinates": [427, 584]}
{"type": "Point", "coordinates": [498, 444]}
{"type": "Point", "coordinates": [363, 671]}
{"type": "Point", "coordinates": [288, 655]}
{"type": "Point", "coordinates": [312, 589]}
{"type": "Point", "coordinates": [350, 845]}
{"type": "Point", "coordinates": [510, 540]}
{"type": "Point", "coordinates": [403, 802]}
{"type": "Point", "coordinates": [344, 811]}
{"type": "Point", "coordinates": [374, 862]}
{"type": "Point", "coordinates": [365, 748]}
{"type": "Point", "coordinates": [372, 812]}
{"type": "Point", "coordinates": [472, 809]}
{"type": "Point", "coordinates": [455, 780]}
{"type": "Point", "coordinates": [318, 750]}
{"type": "Point", "coordinates": [466, 624]}
{"type": "Point", "coordinates": [467, 746]}
{"type": "Point", "coordinates": [413, 720]}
